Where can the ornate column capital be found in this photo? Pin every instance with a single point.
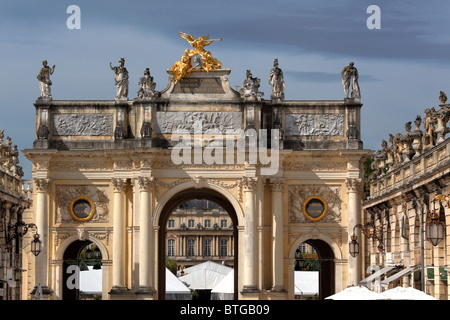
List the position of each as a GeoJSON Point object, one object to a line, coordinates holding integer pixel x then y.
{"type": "Point", "coordinates": [42, 184]}
{"type": "Point", "coordinates": [249, 183]}
{"type": "Point", "coordinates": [277, 184]}
{"type": "Point", "coordinates": [145, 183]}
{"type": "Point", "coordinates": [353, 184]}
{"type": "Point", "coordinates": [119, 184]}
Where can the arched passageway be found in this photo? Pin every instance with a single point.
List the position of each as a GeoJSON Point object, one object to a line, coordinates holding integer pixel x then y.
{"type": "Point", "coordinates": [322, 261]}
{"type": "Point", "coordinates": [174, 202]}
{"type": "Point", "coordinates": [76, 260]}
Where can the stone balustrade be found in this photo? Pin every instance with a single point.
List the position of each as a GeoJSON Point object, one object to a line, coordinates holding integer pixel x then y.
{"type": "Point", "coordinates": [410, 172]}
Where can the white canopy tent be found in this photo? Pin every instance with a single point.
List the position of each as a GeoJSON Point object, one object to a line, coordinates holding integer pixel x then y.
{"type": "Point", "coordinates": [210, 276]}
{"type": "Point", "coordinates": [306, 283]}
{"type": "Point", "coordinates": [91, 281]}
{"type": "Point", "coordinates": [208, 265]}
{"type": "Point", "coordinates": [224, 290]}
{"type": "Point", "coordinates": [356, 293]}
{"type": "Point", "coordinates": [409, 293]}
{"type": "Point", "coordinates": [175, 289]}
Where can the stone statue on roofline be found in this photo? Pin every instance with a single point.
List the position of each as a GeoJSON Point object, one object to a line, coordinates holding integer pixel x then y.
{"type": "Point", "coordinates": [350, 75]}
{"type": "Point", "coordinates": [250, 88]}
{"type": "Point", "coordinates": [429, 135]}
{"type": "Point", "coordinates": [44, 80]}
{"type": "Point", "coordinates": [121, 79]}
{"type": "Point", "coordinates": [147, 86]}
{"type": "Point", "coordinates": [417, 137]}
{"type": "Point", "coordinates": [276, 81]}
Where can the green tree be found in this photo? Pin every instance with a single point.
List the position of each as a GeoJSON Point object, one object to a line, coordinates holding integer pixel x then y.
{"type": "Point", "coordinates": [172, 266]}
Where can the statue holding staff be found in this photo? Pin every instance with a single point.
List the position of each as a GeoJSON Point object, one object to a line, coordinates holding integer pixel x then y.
{"type": "Point", "coordinates": [276, 81]}
{"type": "Point", "coordinates": [44, 80]}
{"type": "Point", "coordinates": [121, 79]}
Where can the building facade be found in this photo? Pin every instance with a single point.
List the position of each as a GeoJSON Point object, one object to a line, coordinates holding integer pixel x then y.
{"type": "Point", "coordinates": [200, 231]}
{"type": "Point", "coordinates": [113, 172]}
{"type": "Point", "coordinates": [409, 173]}
{"type": "Point", "coordinates": [13, 203]}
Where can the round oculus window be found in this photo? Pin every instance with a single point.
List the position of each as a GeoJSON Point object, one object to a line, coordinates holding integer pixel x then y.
{"type": "Point", "coordinates": [315, 208]}
{"type": "Point", "coordinates": [82, 208]}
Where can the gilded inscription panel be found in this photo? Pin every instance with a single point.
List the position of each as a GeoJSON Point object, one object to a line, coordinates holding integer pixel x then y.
{"type": "Point", "coordinates": [199, 85]}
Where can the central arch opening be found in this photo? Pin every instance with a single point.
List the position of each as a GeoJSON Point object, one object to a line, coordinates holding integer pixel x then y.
{"type": "Point", "coordinates": [82, 271]}
{"type": "Point", "coordinates": [200, 241]}
{"type": "Point", "coordinates": [315, 261]}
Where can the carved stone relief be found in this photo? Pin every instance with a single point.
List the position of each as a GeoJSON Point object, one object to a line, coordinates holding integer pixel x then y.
{"type": "Point", "coordinates": [171, 121]}
{"type": "Point", "coordinates": [328, 124]}
{"type": "Point", "coordinates": [297, 194]}
{"type": "Point", "coordinates": [65, 194]}
{"type": "Point", "coordinates": [87, 124]}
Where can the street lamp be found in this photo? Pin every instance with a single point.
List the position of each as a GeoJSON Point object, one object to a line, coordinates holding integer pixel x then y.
{"type": "Point", "coordinates": [19, 230]}
{"type": "Point", "coordinates": [434, 226]}
{"type": "Point", "coordinates": [370, 231]}
{"type": "Point", "coordinates": [36, 244]}
{"type": "Point", "coordinates": [299, 262]}
{"type": "Point", "coordinates": [88, 254]}
{"type": "Point", "coordinates": [353, 246]}
{"type": "Point", "coordinates": [97, 253]}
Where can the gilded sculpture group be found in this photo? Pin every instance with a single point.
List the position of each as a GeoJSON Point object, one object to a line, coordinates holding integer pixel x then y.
{"type": "Point", "coordinates": [200, 59]}
{"type": "Point", "coordinates": [403, 148]}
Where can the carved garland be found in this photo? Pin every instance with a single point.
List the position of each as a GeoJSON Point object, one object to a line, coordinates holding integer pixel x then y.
{"type": "Point", "coordinates": [82, 234]}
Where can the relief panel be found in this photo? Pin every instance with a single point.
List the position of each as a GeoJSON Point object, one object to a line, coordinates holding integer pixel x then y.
{"type": "Point", "coordinates": [65, 195]}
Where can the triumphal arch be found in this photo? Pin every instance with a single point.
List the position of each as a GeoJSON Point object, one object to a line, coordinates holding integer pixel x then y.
{"type": "Point", "coordinates": [111, 172]}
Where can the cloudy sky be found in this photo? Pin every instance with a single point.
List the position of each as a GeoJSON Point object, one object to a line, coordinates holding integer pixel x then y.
{"type": "Point", "coordinates": [402, 66]}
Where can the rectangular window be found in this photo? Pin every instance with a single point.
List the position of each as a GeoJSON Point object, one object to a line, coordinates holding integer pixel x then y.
{"type": "Point", "coordinates": [171, 248]}
{"type": "Point", "coordinates": [223, 247]}
{"type": "Point", "coordinates": [207, 223]}
{"type": "Point", "coordinates": [223, 223]}
{"type": "Point", "coordinates": [171, 223]}
{"type": "Point", "coordinates": [190, 247]}
{"type": "Point", "coordinates": [191, 223]}
{"type": "Point", "coordinates": [207, 247]}
{"type": "Point", "coordinates": [303, 248]}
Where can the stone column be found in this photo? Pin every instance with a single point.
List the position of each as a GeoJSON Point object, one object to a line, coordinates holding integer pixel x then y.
{"type": "Point", "coordinates": [277, 234]}
{"type": "Point", "coordinates": [354, 218]}
{"type": "Point", "coordinates": [119, 236]}
{"type": "Point", "coordinates": [145, 236]}
{"type": "Point", "coordinates": [250, 234]}
{"type": "Point", "coordinates": [42, 187]}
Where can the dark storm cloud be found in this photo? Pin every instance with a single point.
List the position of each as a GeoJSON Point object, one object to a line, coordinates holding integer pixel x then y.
{"type": "Point", "coordinates": [409, 29]}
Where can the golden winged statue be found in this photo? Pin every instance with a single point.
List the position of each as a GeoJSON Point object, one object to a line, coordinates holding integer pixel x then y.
{"type": "Point", "coordinates": [197, 58]}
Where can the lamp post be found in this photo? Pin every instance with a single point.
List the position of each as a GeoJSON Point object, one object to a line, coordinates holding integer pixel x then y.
{"type": "Point", "coordinates": [299, 262]}
{"type": "Point", "coordinates": [434, 226]}
{"type": "Point", "coordinates": [36, 244]}
{"type": "Point", "coordinates": [19, 230]}
{"type": "Point", "coordinates": [370, 231]}
{"type": "Point", "coordinates": [353, 246]}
